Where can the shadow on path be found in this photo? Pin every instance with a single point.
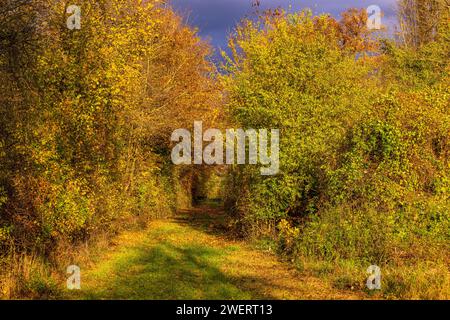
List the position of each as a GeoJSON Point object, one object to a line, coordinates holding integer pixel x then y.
{"type": "Point", "coordinates": [192, 256]}
{"type": "Point", "coordinates": [177, 260]}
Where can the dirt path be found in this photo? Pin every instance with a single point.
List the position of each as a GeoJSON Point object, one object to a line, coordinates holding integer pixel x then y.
{"type": "Point", "coordinates": [188, 257]}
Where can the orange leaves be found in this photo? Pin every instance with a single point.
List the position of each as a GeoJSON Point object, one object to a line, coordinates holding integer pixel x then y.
{"type": "Point", "coordinates": [85, 110]}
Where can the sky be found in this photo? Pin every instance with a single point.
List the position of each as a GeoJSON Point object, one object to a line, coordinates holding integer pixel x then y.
{"type": "Point", "coordinates": [216, 18]}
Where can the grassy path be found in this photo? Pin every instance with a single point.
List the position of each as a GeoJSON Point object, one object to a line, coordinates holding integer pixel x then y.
{"type": "Point", "coordinates": [189, 258]}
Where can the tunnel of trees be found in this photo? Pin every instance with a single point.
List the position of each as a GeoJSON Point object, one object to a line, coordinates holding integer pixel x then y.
{"type": "Point", "coordinates": [86, 117]}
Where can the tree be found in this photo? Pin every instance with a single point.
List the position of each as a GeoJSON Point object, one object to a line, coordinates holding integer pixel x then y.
{"type": "Point", "coordinates": [86, 115]}
{"type": "Point", "coordinates": [421, 20]}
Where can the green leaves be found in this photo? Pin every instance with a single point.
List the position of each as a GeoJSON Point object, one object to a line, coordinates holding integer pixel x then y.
{"type": "Point", "coordinates": [363, 139]}
{"type": "Point", "coordinates": [293, 75]}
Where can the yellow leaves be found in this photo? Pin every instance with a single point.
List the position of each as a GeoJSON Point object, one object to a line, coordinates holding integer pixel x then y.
{"type": "Point", "coordinates": [97, 103]}
{"type": "Point", "coordinates": [287, 231]}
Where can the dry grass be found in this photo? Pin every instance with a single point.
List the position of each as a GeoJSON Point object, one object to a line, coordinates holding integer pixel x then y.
{"type": "Point", "coordinates": [26, 276]}
{"type": "Point", "coordinates": [190, 257]}
{"type": "Point", "coordinates": [193, 256]}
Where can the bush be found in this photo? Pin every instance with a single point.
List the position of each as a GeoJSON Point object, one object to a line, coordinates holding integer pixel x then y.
{"type": "Point", "coordinates": [364, 151]}
{"type": "Point", "coordinates": [86, 117]}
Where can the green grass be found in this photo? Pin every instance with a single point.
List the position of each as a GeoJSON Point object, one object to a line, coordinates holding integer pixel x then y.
{"type": "Point", "coordinates": [191, 258]}
{"type": "Point", "coordinates": [168, 270]}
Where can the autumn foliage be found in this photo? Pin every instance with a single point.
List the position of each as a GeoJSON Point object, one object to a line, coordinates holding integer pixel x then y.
{"type": "Point", "coordinates": [86, 117]}
{"type": "Point", "coordinates": [364, 151]}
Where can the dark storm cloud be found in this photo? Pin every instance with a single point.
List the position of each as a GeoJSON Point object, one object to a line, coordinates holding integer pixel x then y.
{"type": "Point", "coordinates": [216, 18]}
